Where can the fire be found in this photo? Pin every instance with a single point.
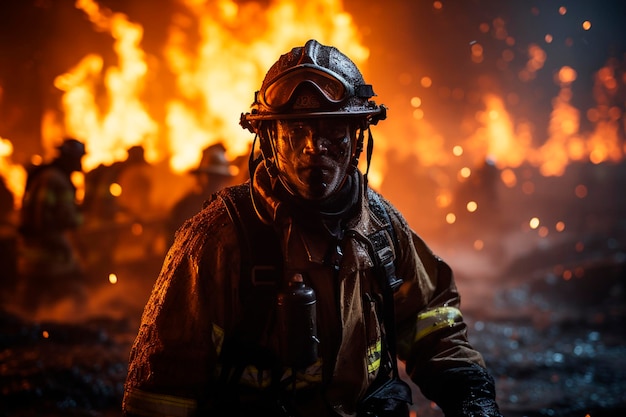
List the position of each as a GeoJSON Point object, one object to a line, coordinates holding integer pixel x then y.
{"type": "Point", "coordinates": [126, 121]}
{"type": "Point", "coordinates": [215, 56]}
{"type": "Point", "coordinates": [564, 142]}
{"type": "Point", "coordinates": [506, 148]}
{"type": "Point", "coordinates": [217, 53]}
{"type": "Point", "coordinates": [14, 175]}
{"type": "Point", "coordinates": [509, 146]}
{"type": "Point", "coordinates": [229, 62]}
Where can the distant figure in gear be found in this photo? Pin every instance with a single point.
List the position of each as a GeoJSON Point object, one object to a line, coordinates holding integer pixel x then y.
{"type": "Point", "coordinates": [8, 242]}
{"type": "Point", "coordinates": [49, 266]}
{"type": "Point", "coordinates": [135, 177]}
{"type": "Point", "coordinates": [213, 173]}
{"type": "Point", "coordinates": [294, 293]}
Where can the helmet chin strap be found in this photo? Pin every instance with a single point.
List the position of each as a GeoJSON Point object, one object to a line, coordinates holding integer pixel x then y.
{"type": "Point", "coordinates": [370, 150]}
{"type": "Point", "coordinates": [253, 163]}
{"type": "Point", "coordinates": [359, 149]}
{"type": "Point", "coordinates": [268, 151]}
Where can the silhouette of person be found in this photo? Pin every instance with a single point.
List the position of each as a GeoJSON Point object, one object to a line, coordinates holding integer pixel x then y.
{"type": "Point", "coordinates": [49, 265]}
{"type": "Point", "coordinates": [8, 249]}
{"type": "Point", "coordinates": [110, 215]}
{"type": "Point", "coordinates": [213, 173]}
{"type": "Point", "coordinates": [134, 178]}
{"type": "Point", "coordinates": [6, 203]}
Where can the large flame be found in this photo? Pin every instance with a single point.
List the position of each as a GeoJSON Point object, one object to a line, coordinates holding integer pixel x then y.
{"type": "Point", "coordinates": [124, 121]}
{"type": "Point", "coordinates": [216, 51]}
{"type": "Point", "coordinates": [215, 56]}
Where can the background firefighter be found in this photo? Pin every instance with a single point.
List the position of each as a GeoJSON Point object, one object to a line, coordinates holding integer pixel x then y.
{"type": "Point", "coordinates": [213, 173]}
{"type": "Point", "coordinates": [49, 266]}
{"type": "Point", "coordinates": [210, 341]}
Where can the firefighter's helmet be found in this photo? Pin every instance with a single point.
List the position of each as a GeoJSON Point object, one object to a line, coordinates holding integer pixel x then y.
{"type": "Point", "coordinates": [313, 81]}
{"type": "Point", "coordinates": [71, 148]}
{"type": "Point", "coordinates": [214, 162]}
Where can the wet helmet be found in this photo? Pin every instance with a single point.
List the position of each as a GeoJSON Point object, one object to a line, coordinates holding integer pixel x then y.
{"type": "Point", "coordinates": [313, 81]}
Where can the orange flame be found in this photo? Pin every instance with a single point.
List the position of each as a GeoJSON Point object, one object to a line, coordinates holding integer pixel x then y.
{"type": "Point", "coordinates": [216, 55]}
{"type": "Point", "coordinates": [14, 175]}
{"type": "Point", "coordinates": [127, 121]}
{"type": "Point", "coordinates": [215, 76]}
{"type": "Point", "coordinates": [238, 43]}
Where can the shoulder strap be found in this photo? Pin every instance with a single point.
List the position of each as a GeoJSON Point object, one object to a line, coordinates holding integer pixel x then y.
{"type": "Point", "coordinates": [393, 392]}
{"type": "Point", "coordinates": [261, 258]}
{"type": "Point", "coordinates": [383, 250]}
{"type": "Point", "coordinates": [257, 285]}
{"type": "Point", "coordinates": [380, 245]}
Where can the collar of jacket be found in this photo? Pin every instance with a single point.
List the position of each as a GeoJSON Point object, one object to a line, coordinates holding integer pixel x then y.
{"type": "Point", "coordinates": [308, 239]}
{"type": "Point", "coordinates": [276, 204]}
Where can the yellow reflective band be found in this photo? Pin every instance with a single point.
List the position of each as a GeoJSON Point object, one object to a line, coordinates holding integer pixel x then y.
{"type": "Point", "coordinates": [373, 367]}
{"type": "Point", "coordinates": [373, 356]}
{"type": "Point", "coordinates": [436, 319]}
{"type": "Point", "coordinates": [143, 403]}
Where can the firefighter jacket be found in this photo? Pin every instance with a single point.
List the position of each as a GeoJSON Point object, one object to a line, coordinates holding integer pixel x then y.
{"type": "Point", "coordinates": [49, 211]}
{"type": "Point", "coordinates": [177, 363]}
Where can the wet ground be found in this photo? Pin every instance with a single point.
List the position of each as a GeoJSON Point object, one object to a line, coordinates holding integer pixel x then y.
{"type": "Point", "coordinates": [551, 327]}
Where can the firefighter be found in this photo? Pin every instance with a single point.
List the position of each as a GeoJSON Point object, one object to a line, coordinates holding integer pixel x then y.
{"type": "Point", "coordinates": [213, 173]}
{"type": "Point", "coordinates": [49, 266]}
{"type": "Point", "coordinates": [294, 293]}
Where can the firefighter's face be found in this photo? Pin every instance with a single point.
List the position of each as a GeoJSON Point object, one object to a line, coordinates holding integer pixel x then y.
{"type": "Point", "coordinates": [72, 162]}
{"type": "Point", "coordinates": [313, 155]}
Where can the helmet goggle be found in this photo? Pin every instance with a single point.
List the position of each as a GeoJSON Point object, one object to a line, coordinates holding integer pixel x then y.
{"type": "Point", "coordinates": [280, 92]}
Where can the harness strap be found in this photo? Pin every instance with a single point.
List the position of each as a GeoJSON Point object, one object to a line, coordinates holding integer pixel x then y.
{"type": "Point", "coordinates": [261, 262]}
{"type": "Point", "coordinates": [394, 389]}
{"type": "Point", "coordinates": [255, 290]}
{"type": "Point", "coordinates": [384, 252]}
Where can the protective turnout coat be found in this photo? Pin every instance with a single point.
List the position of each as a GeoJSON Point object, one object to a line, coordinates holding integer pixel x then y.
{"type": "Point", "coordinates": [49, 211]}
{"type": "Point", "coordinates": [178, 364]}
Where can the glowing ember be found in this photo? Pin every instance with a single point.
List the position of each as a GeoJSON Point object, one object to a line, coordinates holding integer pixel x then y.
{"type": "Point", "coordinates": [534, 223]}
{"type": "Point", "coordinates": [560, 226]}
